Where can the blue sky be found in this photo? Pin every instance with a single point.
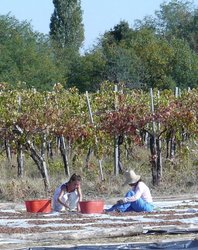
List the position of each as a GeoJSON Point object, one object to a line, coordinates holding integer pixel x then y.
{"type": "Point", "coordinates": [99, 15]}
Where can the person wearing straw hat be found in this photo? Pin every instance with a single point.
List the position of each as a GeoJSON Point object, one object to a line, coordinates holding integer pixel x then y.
{"type": "Point", "coordinates": [137, 199]}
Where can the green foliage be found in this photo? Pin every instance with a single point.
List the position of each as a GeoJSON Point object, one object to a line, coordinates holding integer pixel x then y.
{"type": "Point", "coordinates": [87, 72]}
{"type": "Point", "coordinates": [160, 51]}
{"type": "Point", "coordinates": [184, 65]}
{"type": "Point", "coordinates": [55, 166]}
{"type": "Point", "coordinates": [122, 65]}
{"type": "Point", "coordinates": [155, 54]}
{"type": "Point", "coordinates": [66, 37]}
{"type": "Point", "coordinates": [44, 116]}
{"type": "Point", "coordinates": [66, 28]}
{"type": "Point", "coordinates": [25, 55]}
{"type": "Point", "coordinates": [120, 32]}
{"type": "Point", "coordinates": [174, 18]}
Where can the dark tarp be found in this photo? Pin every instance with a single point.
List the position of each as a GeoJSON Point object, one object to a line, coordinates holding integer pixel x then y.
{"type": "Point", "coordinates": [172, 231]}
{"type": "Point", "coordinates": [190, 244]}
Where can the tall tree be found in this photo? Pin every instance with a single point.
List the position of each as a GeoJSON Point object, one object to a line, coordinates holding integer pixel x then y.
{"type": "Point", "coordinates": [66, 28]}
{"type": "Point", "coordinates": [176, 19]}
{"type": "Point", "coordinates": [87, 72]}
{"type": "Point", "coordinates": [25, 55]}
{"type": "Point", "coordinates": [121, 61]}
{"type": "Point", "coordinates": [184, 65]}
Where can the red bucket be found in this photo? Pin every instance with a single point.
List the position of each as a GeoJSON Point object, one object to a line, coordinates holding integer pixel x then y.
{"type": "Point", "coordinates": [38, 206]}
{"type": "Point", "coordinates": [92, 207]}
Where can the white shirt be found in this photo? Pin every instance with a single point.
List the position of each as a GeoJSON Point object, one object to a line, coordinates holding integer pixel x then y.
{"type": "Point", "coordinates": [70, 198]}
{"type": "Point", "coordinates": [141, 191]}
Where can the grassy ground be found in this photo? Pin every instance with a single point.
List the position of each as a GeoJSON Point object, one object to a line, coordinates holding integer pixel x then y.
{"type": "Point", "coordinates": [179, 176]}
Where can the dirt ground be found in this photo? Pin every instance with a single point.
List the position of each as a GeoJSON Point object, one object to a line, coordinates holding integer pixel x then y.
{"type": "Point", "coordinates": [174, 218]}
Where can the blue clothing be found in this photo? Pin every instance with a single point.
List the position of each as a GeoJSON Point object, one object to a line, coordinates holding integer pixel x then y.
{"type": "Point", "coordinates": [137, 206]}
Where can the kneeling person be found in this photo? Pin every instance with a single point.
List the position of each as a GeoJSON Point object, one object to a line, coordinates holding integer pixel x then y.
{"type": "Point", "coordinates": [68, 195]}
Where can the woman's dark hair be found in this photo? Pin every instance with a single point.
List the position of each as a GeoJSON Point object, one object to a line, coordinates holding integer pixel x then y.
{"type": "Point", "coordinates": [75, 177]}
{"type": "Point", "coordinates": [135, 184]}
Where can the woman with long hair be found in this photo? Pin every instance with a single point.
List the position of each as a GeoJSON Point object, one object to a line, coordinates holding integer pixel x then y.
{"type": "Point", "coordinates": [68, 195]}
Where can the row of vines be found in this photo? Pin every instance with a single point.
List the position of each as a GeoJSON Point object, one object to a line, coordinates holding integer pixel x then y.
{"type": "Point", "coordinates": [35, 123]}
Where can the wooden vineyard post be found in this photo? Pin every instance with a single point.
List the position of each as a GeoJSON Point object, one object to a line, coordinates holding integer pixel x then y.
{"type": "Point", "coordinates": [96, 140]}
{"type": "Point", "coordinates": [116, 144]}
{"type": "Point", "coordinates": [153, 148]}
{"type": "Point", "coordinates": [159, 145]}
{"type": "Point", "coordinates": [20, 154]}
{"type": "Point", "coordinates": [170, 139]}
{"type": "Point", "coordinates": [172, 134]}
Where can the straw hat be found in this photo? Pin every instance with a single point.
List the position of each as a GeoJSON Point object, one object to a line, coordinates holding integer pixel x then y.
{"type": "Point", "coordinates": [131, 177]}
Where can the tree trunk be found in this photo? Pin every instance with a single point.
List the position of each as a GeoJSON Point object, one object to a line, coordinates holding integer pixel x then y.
{"type": "Point", "coordinates": [159, 161]}
{"type": "Point", "coordinates": [156, 165]}
{"type": "Point", "coordinates": [41, 164]}
{"type": "Point", "coordinates": [64, 155]}
{"type": "Point", "coordinates": [38, 159]}
{"type": "Point", "coordinates": [167, 147]}
{"type": "Point", "coordinates": [8, 152]}
{"type": "Point", "coordinates": [172, 147]}
{"type": "Point", "coordinates": [20, 160]}
{"type": "Point", "coordinates": [49, 150]}
{"type": "Point", "coordinates": [116, 156]}
{"type": "Point", "coordinates": [89, 153]}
